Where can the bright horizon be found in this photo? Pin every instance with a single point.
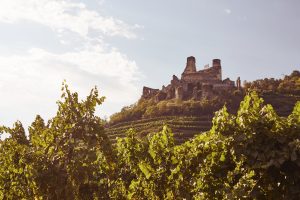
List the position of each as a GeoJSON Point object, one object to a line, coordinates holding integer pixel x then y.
{"type": "Point", "coordinates": [121, 47]}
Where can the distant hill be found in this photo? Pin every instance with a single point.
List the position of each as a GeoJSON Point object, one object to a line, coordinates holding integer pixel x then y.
{"type": "Point", "coordinates": [187, 117]}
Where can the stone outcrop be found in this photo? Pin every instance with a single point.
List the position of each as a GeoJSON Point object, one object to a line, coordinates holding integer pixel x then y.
{"type": "Point", "coordinates": [194, 84]}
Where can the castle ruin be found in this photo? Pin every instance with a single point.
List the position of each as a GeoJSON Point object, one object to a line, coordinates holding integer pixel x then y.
{"type": "Point", "coordinates": [197, 85]}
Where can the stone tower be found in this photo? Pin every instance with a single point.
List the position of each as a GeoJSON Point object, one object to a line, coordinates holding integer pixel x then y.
{"type": "Point", "coordinates": [238, 83]}
{"type": "Point", "coordinates": [216, 63]}
{"type": "Point", "coordinates": [190, 65]}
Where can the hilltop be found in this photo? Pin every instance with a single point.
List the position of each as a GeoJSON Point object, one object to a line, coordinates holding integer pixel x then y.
{"type": "Point", "coordinates": [196, 93]}
{"type": "Point", "coordinates": [188, 103]}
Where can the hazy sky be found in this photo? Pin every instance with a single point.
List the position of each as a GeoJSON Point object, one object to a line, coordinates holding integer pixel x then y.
{"type": "Point", "coordinates": [122, 45]}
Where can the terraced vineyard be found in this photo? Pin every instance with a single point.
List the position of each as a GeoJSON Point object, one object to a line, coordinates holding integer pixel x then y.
{"type": "Point", "coordinates": [183, 127]}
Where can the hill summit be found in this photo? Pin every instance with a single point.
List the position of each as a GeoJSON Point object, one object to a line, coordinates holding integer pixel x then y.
{"type": "Point", "coordinates": [188, 104]}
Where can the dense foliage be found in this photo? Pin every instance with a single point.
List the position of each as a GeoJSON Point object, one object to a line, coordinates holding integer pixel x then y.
{"type": "Point", "coordinates": [290, 84]}
{"type": "Point", "coordinates": [254, 154]}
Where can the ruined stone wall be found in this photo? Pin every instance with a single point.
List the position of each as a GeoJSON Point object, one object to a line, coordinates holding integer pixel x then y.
{"type": "Point", "coordinates": [222, 87]}
{"type": "Point", "coordinates": [175, 81]}
{"type": "Point", "coordinates": [179, 93]}
{"type": "Point", "coordinates": [209, 75]}
{"type": "Point", "coordinates": [212, 74]}
{"type": "Point", "coordinates": [207, 91]}
{"type": "Point", "coordinates": [149, 92]}
{"type": "Point", "coordinates": [193, 84]}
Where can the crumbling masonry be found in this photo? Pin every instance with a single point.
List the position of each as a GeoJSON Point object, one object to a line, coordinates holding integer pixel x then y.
{"type": "Point", "coordinates": [194, 84]}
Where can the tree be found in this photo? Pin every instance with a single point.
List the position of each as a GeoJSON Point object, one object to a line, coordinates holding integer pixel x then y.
{"type": "Point", "coordinates": [68, 158]}
{"type": "Point", "coordinates": [15, 173]}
